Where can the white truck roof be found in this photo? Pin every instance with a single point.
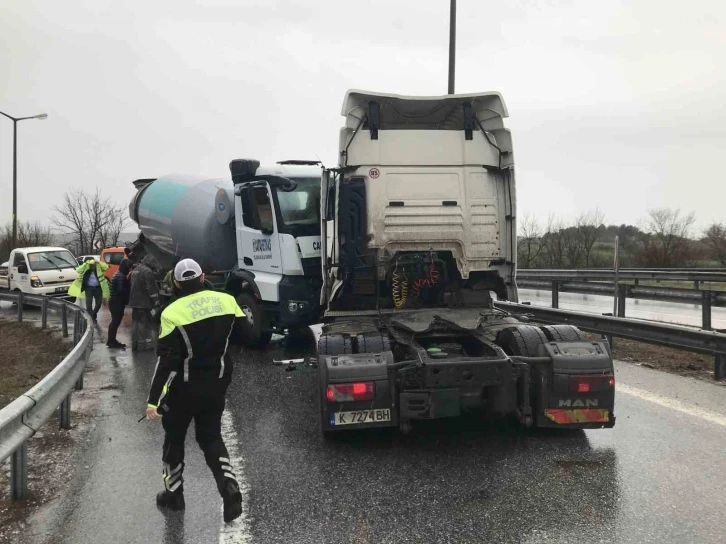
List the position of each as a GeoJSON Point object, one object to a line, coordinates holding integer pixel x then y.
{"type": "Point", "coordinates": [424, 130]}
{"type": "Point", "coordinates": [39, 249]}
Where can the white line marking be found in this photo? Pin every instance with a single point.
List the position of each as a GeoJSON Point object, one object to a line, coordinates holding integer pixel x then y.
{"type": "Point", "coordinates": [237, 532]}
{"type": "Point", "coordinates": [690, 409]}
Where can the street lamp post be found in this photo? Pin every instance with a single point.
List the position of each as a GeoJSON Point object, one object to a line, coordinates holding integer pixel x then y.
{"type": "Point", "coordinates": [15, 120]}
{"type": "Point", "coordinates": [452, 45]}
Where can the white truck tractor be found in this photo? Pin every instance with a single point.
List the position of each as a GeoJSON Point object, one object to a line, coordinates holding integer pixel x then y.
{"type": "Point", "coordinates": [419, 229]}
{"type": "Point", "coordinates": [256, 236]}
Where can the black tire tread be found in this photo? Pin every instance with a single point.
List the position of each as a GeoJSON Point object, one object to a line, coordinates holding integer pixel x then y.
{"type": "Point", "coordinates": [522, 340]}
{"type": "Point", "coordinates": [337, 344]}
{"type": "Point", "coordinates": [563, 333]}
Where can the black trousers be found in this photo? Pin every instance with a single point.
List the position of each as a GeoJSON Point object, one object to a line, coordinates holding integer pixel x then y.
{"type": "Point", "coordinates": [93, 294]}
{"type": "Point", "coordinates": [117, 314]}
{"type": "Point", "coordinates": [204, 403]}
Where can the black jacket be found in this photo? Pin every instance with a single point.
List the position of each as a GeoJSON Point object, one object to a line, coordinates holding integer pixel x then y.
{"type": "Point", "coordinates": [193, 340]}
{"type": "Point", "coordinates": [120, 289]}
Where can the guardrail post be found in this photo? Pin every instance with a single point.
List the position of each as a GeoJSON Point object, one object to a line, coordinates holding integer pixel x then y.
{"type": "Point", "coordinates": [556, 294]}
{"type": "Point", "coordinates": [706, 310]}
{"type": "Point", "coordinates": [719, 368]}
{"type": "Point", "coordinates": [622, 294]}
{"type": "Point", "coordinates": [64, 320]}
{"type": "Point", "coordinates": [44, 313]}
{"type": "Point", "coordinates": [65, 413]}
{"type": "Point", "coordinates": [636, 282]}
{"type": "Point", "coordinates": [21, 303]}
{"type": "Point", "coordinates": [19, 473]}
{"type": "Point", "coordinates": [696, 284]}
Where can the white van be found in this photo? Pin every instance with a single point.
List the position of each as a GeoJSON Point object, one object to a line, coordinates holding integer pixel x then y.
{"type": "Point", "coordinates": [41, 270]}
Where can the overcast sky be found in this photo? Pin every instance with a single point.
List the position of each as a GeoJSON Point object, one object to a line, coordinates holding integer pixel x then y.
{"type": "Point", "coordinates": [615, 104]}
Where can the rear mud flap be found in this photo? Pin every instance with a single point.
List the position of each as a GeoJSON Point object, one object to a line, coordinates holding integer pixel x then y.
{"type": "Point", "coordinates": [434, 404]}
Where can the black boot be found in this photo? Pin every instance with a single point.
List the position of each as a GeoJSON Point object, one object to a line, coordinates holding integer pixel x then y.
{"type": "Point", "coordinates": [232, 501]}
{"type": "Point", "coordinates": [172, 501]}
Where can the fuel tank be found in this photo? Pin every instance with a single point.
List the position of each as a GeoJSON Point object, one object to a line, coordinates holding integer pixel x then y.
{"type": "Point", "coordinates": [182, 216]}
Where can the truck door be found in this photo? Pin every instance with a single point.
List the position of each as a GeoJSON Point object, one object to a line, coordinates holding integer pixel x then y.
{"type": "Point", "coordinates": [258, 248]}
{"type": "Point", "coordinates": [19, 272]}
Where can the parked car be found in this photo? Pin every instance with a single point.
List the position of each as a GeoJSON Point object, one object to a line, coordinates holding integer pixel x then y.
{"type": "Point", "coordinates": [112, 256]}
{"type": "Point", "coordinates": [83, 258]}
{"type": "Point", "coordinates": [4, 275]}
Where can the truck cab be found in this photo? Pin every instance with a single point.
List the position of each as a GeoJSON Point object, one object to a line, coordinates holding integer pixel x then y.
{"type": "Point", "coordinates": [419, 224]}
{"type": "Point", "coordinates": [41, 270]}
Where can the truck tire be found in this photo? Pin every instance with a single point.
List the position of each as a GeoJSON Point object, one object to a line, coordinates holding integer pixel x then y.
{"type": "Point", "coordinates": [250, 334]}
{"type": "Point", "coordinates": [522, 340]}
{"type": "Point", "coordinates": [337, 344]}
{"type": "Point", "coordinates": [563, 333]}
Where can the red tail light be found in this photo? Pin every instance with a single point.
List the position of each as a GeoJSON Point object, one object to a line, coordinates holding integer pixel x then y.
{"type": "Point", "coordinates": [348, 392]}
{"type": "Point", "coordinates": [591, 382]}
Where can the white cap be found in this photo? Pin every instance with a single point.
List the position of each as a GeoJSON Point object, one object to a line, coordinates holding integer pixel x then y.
{"type": "Point", "coordinates": [187, 269]}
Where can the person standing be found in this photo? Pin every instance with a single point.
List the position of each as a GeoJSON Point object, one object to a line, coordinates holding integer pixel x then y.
{"type": "Point", "coordinates": [143, 299]}
{"type": "Point", "coordinates": [190, 382]}
{"type": "Point", "coordinates": [93, 284]}
{"type": "Point", "coordinates": [120, 289]}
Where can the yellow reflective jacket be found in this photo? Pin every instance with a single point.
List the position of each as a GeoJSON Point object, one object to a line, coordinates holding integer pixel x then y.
{"type": "Point", "coordinates": [78, 286]}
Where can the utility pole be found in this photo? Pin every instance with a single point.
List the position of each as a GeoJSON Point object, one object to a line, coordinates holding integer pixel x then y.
{"type": "Point", "coordinates": [15, 120]}
{"type": "Point", "coordinates": [452, 45]}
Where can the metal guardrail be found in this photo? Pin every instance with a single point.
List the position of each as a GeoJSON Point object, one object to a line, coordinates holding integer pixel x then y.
{"type": "Point", "coordinates": [662, 334]}
{"type": "Point", "coordinates": [24, 416]}
{"type": "Point", "coordinates": [605, 274]}
{"type": "Point", "coordinates": [706, 299]}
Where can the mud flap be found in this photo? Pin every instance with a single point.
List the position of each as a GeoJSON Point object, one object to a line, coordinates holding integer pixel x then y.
{"type": "Point", "coordinates": [577, 389]}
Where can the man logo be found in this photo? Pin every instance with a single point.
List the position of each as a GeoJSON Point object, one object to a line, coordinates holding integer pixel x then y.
{"type": "Point", "coordinates": [579, 403]}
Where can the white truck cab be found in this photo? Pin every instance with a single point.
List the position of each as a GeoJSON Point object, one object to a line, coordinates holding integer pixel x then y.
{"type": "Point", "coordinates": [41, 270]}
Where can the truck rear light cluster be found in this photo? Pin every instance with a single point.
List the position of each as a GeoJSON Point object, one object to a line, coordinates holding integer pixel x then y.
{"type": "Point", "coordinates": [348, 392]}
{"type": "Point", "coordinates": [589, 382]}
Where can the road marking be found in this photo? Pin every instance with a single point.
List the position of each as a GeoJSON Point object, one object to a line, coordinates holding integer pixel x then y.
{"type": "Point", "coordinates": [237, 532]}
{"type": "Point", "coordinates": [668, 402]}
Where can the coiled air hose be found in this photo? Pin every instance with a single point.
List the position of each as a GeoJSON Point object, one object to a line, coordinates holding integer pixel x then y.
{"type": "Point", "coordinates": [399, 290]}
{"type": "Point", "coordinates": [434, 277]}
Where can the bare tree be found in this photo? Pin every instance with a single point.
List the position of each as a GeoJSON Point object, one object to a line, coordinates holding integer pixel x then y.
{"type": "Point", "coordinates": [553, 243]}
{"type": "Point", "coordinates": [529, 244]}
{"type": "Point", "coordinates": [89, 218]}
{"type": "Point", "coordinates": [666, 243]}
{"type": "Point", "coordinates": [29, 235]}
{"type": "Point", "coordinates": [714, 238]}
{"type": "Point", "coordinates": [588, 230]}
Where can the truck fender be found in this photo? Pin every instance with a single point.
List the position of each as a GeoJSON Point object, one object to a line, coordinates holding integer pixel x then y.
{"type": "Point", "coordinates": [240, 281]}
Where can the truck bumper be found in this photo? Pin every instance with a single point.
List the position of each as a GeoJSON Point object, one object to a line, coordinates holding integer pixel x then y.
{"type": "Point", "coordinates": [299, 301]}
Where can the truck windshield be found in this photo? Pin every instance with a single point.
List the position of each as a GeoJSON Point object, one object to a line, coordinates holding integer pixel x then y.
{"type": "Point", "coordinates": [301, 206]}
{"type": "Point", "coordinates": [49, 260]}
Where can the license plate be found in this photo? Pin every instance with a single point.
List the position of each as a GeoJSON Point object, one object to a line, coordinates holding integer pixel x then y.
{"type": "Point", "coordinates": [360, 416]}
{"type": "Point", "coordinates": [61, 289]}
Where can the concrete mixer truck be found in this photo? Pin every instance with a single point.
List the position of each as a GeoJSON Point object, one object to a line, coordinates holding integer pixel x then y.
{"type": "Point", "coordinates": [256, 235]}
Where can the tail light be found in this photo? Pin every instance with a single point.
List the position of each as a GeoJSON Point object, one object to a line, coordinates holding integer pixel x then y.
{"type": "Point", "coordinates": [589, 382]}
{"type": "Point", "coordinates": [348, 392]}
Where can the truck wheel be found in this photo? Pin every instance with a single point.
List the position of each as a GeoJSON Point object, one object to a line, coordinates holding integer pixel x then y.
{"type": "Point", "coordinates": [337, 344]}
{"type": "Point", "coordinates": [522, 340]}
{"type": "Point", "coordinates": [563, 333]}
{"type": "Point", "coordinates": [250, 333]}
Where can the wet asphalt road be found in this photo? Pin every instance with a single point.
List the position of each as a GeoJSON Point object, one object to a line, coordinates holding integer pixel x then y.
{"type": "Point", "coordinates": [658, 476]}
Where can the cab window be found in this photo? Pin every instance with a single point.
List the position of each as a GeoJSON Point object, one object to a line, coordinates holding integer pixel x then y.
{"type": "Point", "coordinates": [113, 257]}
{"type": "Point", "coordinates": [257, 211]}
{"type": "Point", "coordinates": [18, 260]}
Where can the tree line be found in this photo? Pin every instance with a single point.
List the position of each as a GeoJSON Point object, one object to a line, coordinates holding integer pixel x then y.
{"type": "Point", "coordinates": [81, 219]}
{"type": "Point", "coordinates": [666, 238]}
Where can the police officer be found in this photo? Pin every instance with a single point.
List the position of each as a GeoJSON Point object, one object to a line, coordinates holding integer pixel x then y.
{"type": "Point", "coordinates": [190, 382]}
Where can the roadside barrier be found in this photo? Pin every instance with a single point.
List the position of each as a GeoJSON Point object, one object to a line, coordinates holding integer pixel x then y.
{"type": "Point", "coordinates": [24, 416]}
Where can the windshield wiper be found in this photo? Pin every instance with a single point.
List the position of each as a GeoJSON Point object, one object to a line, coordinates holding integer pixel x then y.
{"type": "Point", "coordinates": [49, 257]}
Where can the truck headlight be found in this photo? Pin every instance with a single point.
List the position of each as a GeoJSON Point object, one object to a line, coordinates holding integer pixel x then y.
{"type": "Point", "coordinates": [35, 282]}
{"type": "Point", "coordinates": [297, 306]}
